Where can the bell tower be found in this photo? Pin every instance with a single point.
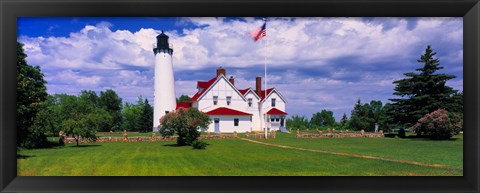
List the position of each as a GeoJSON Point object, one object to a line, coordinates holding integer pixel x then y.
{"type": "Point", "coordinates": [164, 90]}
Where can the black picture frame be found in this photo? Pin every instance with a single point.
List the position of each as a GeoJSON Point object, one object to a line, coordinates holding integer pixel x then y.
{"type": "Point", "coordinates": [10, 10]}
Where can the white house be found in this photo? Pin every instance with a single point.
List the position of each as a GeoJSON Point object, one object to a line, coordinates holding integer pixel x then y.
{"type": "Point", "coordinates": [241, 110]}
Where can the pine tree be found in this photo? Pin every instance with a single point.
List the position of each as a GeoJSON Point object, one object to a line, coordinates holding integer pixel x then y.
{"type": "Point", "coordinates": [361, 117]}
{"type": "Point", "coordinates": [31, 93]}
{"type": "Point", "coordinates": [423, 92]}
{"type": "Point", "coordinates": [344, 120]}
{"type": "Point", "coordinates": [147, 116]}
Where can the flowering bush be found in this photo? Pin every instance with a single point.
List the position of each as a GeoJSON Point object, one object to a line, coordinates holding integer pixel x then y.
{"type": "Point", "coordinates": [439, 124]}
{"type": "Point", "coordinates": [184, 123]}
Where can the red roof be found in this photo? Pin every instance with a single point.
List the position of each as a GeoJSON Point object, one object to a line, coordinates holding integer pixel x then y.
{"type": "Point", "coordinates": [244, 91]}
{"type": "Point", "coordinates": [183, 104]}
{"type": "Point", "coordinates": [204, 86]}
{"type": "Point", "coordinates": [226, 111]}
{"type": "Point", "coordinates": [275, 111]}
{"type": "Point", "coordinates": [262, 95]}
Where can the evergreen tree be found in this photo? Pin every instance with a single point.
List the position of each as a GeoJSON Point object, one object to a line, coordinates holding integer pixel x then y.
{"type": "Point", "coordinates": [423, 92]}
{"type": "Point", "coordinates": [361, 117]}
{"type": "Point", "coordinates": [31, 93]}
{"type": "Point", "coordinates": [344, 120]}
{"type": "Point", "coordinates": [147, 116]}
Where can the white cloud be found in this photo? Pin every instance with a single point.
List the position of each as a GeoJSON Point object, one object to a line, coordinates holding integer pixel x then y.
{"type": "Point", "coordinates": [351, 52]}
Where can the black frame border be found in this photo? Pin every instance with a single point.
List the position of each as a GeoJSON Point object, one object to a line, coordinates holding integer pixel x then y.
{"type": "Point", "coordinates": [10, 10]}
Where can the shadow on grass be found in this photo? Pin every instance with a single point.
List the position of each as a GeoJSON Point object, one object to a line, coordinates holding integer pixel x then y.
{"type": "Point", "coordinates": [419, 138]}
{"type": "Point", "coordinates": [24, 156]}
{"type": "Point", "coordinates": [175, 145]}
{"type": "Point", "coordinates": [84, 145]}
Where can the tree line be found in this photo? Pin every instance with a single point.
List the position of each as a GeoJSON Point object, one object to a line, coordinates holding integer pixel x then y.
{"type": "Point", "coordinates": [423, 100]}
{"type": "Point", "coordinates": [40, 115]}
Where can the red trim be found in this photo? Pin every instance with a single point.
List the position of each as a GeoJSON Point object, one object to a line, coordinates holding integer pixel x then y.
{"type": "Point", "coordinates": [226, 111]}
{"type": "Point", "coordinates": [204, 86]}
{"type": "Point", "coordinates": [183, 104]}
{"type": "Point", "coordinates": [275, 111]}
{"type": "Point", "coordinates": [263, 93]}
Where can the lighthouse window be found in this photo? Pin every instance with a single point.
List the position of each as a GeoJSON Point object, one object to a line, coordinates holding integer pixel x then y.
{"type": "Point", "coordinates": [250, 102]}
{"type": "Point", "coordinates": [215, 100]}
{"type": "Point", "coordinates": [235, 122]}
{"type": "Point", "coordinates": [273, 102]}
{"type": "Point", "coordinates": [229, 99]}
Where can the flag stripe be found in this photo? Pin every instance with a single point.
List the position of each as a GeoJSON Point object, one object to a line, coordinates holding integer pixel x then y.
{"type": "Point", "coordinates": [259, 33]}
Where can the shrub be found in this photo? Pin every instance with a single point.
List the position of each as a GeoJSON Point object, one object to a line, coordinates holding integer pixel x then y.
{"type": "Point", "coordinates": [199, 145]}
{"type": "Point", "coordinates": [185, 123]}
{"type": "Point", "coordinates": [439, 124]}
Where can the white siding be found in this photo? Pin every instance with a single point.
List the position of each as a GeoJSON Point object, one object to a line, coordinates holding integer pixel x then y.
{"type": "Point", "coordinates": [222, 89]}
{"type": "Point", "coordinates": [254, 110]}
{"type": "Point", "coordinates": [226, 124]}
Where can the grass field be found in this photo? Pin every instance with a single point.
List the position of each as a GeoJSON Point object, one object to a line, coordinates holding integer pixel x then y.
{"type": "Point", "coordinates": [236, 157]}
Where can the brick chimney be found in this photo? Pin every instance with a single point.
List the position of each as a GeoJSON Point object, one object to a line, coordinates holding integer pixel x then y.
{"type": "Point", "coordinates": [221, 71]}
{"type": "Point", "coordinates": [232, 80]}
{"type": "Point", "coordinates": [258, 88]}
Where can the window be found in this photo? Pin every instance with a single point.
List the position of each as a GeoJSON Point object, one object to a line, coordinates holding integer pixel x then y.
{"type": "Point", "coordinates": [229, 100]}
{"type": "Point", "coordinates": [166, 112]}
{"type": "Point", "coordinates": [235, 122]}
{"type": "Point", "coordinates": [273, 102]}
{"type": "Point", "coordinates": [215, 100]}
{"type": "Point", "coordinates": [249, 102]}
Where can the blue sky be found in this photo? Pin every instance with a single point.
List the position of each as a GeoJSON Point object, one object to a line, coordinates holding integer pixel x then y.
{"type": "Point", "coordinates": [317, 63]}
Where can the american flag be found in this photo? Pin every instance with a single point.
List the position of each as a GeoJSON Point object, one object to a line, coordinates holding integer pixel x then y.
{"type": "Point", "coordinates": [259, 33]}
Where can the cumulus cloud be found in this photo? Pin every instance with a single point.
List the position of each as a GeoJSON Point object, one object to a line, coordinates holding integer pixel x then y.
{"type": "Point", "coordinates": [317, 63]}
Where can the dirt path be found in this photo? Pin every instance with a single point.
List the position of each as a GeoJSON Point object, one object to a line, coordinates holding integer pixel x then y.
{"type": "Point", "coordinates": [356, 155]}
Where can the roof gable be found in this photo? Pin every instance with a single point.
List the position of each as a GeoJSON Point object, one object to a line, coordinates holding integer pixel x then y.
{"type": "Point", "coordinates": [270, 91]}
{"type": "Point", "coordinates": [247, 91]}
{"type": "Point", "coordinates": [207, 86]}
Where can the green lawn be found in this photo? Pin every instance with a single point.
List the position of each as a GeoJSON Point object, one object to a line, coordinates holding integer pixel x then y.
{"type": "Point", "coordinates": [445, 152]}
{"type": "Point", "coordinates": [235, 157]}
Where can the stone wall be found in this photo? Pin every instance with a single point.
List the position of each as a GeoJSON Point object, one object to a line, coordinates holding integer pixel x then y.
{"type": "Point", "coordinates": [145, 138]}
{"type": "Point", "coordinates": [260, 135]}
{"type": "Point", "coordinates": [337, 134]}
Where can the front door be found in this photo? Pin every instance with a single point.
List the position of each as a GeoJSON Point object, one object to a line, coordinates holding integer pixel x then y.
{"type": "Point", "coordinates": [217, 125]}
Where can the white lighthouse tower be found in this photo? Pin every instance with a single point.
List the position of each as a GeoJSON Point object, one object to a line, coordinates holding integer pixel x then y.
{"type": "Point", "coordinates": [164, 91]}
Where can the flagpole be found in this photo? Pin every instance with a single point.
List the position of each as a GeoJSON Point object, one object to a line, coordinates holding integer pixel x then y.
{"type": "Point", "coordinates": [265, 65]}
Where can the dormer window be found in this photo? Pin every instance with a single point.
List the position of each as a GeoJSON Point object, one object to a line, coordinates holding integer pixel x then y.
{"type": "Point", "coordinates": [215, 100]}
{"type": "Point", "coordinates": [229, 100]}
{"type": "Point", "coordinates": [273, 102]}
{"type": "Point", "coordinates": [249, 102]}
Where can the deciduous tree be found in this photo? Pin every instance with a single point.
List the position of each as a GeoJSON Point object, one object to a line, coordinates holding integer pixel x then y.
{"type": "Point", "coordinates": [31, 93]}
